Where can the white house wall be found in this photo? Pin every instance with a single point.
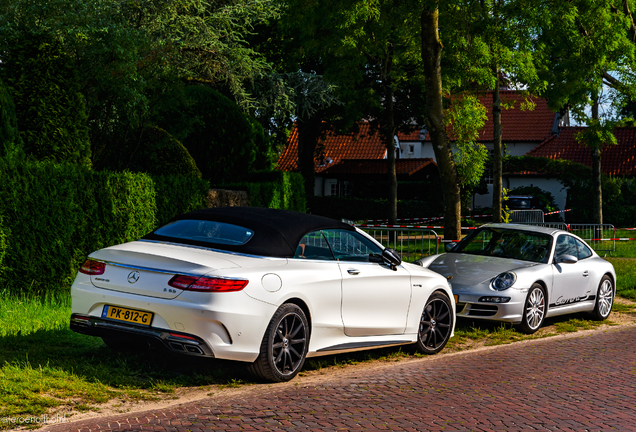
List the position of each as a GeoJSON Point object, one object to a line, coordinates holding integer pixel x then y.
{"type": "Point", "coordinates": [547, 184]}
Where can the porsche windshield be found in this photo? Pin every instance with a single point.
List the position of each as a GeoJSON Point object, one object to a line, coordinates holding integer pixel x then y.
{"type": "Point", "coordinates": [507, 243]}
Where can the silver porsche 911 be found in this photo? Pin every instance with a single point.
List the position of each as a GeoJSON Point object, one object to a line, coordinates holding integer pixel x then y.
{"type": "Point", "coordinates": [523, 274]}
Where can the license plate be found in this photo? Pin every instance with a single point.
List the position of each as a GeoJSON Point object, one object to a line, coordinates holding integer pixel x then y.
{"type": "Point", "coordinates": [128, 315]}
{"type": "Point", "coordinates": [456, 298]}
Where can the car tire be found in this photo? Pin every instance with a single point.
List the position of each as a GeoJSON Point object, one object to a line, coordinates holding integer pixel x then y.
{"type": "Point", "coordinates": [284, 347]}
{"type": "Point", "coordinates": [534, 310]}
{"type": "Point", "coordinates": [604, 299]}
{"type": "Point", "coordinates": [436, 324]}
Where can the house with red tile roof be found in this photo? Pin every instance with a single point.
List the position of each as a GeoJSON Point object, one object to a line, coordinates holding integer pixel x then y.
{"type": "Point", "coordinates": [360, 155]}
{"type": "Point", "coordinates": [616, 160]}
{"type": "Point", "coordinates": [522, 129]}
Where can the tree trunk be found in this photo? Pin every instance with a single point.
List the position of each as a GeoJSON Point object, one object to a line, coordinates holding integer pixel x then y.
{"type": "Point", "coordinates": [434, 118]}
{"type": "Point", "coordinates": [597, 191]}
{"type": "Point", "coordinates": [388, 131]}
{"type": "Point", "coordinates": [390, 160]}
{"type": "Point", "coordinates": [497, 157]}
{"type": "Point", "coordinates": [309, 131]}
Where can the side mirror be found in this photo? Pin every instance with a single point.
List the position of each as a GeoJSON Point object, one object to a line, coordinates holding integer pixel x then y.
{"type": "Point", "coordinates": [567, 259]}
{"type": "Point", "coordinates": [392, 258]}
{"type": "Point", "coordinates": [375, 258]}
{"type": "Point", "coordinates": [449, 246]}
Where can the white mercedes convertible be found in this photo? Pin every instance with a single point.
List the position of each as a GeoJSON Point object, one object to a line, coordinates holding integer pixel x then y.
{"type": "Point", "coordinates": [268, 287]}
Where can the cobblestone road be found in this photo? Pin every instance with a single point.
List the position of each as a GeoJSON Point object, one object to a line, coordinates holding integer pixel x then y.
{"type": "Point", "coordinates": [582, 383]}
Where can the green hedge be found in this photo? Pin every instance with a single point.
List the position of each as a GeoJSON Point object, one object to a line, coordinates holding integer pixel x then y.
{"type": "Point", "coordinates": [273, 189]}
{"type": "Point", "coordinates": [53, 215]}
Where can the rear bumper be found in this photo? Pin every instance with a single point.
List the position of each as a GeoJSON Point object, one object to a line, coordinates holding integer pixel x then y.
{"type": "Point", "coordinates": [182, 343]}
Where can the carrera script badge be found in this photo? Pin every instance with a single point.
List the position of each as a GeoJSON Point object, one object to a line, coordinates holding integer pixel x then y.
{"type": "Point", "coordinates": [133, 277]}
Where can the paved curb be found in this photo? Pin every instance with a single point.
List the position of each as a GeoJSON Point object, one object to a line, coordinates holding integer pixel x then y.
{"type": "Point", "coordinates": [253, 405]}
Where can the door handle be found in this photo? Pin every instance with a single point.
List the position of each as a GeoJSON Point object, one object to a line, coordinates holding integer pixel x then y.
{"type": "Point", "coordinates": [586, 273]}
{"type": "Point", "coordinates": [353, 271]}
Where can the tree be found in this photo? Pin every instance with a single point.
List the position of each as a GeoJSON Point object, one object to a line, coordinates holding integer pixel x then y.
{"type": "Point", "coordinates": [507, 57]}
{"type": "Point", "coordinates": [368, 49]}
{"type": "Point", "coordinates": [126, 51]}
{"type": "Point", "coordinates": [434, 118]}
{"type": "Point", "coordinates": [589, 44]}
{"type": "Point", "coordinates": [303, 97]}
{"type": "Point", "coordinates": [48, 104]}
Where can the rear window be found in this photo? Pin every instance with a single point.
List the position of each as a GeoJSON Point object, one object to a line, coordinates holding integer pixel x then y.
{"type": "Point", "coordinates": [206, 231]}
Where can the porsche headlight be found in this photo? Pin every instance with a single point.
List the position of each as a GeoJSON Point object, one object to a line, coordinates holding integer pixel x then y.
{"type": "Point", "coordinates": [504, 281]}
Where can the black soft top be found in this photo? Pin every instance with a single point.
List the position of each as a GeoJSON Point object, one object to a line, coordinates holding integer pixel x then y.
{"type": "Point", "coordinates": [276, 232]}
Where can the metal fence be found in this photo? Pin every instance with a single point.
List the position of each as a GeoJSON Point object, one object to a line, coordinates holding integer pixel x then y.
{"type": "Point", "coordinates": [526, 216]}
{"type": "Point", "coordinates": [415, 243]}
{"type": "Point", "coordinates": [599, 237]}
{"type": "Point", "coordinates": [411, 243]}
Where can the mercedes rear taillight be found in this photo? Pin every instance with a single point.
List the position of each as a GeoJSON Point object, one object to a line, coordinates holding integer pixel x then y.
{"type": "Point", "coordinates": [91, 267]}
{"type": "Point", "coordinates": [207, 284]}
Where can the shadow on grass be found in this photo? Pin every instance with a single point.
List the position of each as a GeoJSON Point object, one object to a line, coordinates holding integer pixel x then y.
{"type": "Point", "coordinates": [87, 358]}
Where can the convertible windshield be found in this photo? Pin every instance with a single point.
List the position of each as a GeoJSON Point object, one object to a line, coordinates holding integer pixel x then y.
{"type": "Point", "coordinates": [507, 243]}
{"type": "Point", "coordinates": [206, 231]}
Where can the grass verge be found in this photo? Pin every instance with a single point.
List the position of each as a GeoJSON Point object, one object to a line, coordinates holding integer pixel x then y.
{"type": "Point", "coordinates": [625, 276]}
{"type": "Point", "coordinates": [45, 369]}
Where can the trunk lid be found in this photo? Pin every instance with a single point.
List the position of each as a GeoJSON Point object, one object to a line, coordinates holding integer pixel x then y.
{"type": "Point", "coordinates": [145, 268]}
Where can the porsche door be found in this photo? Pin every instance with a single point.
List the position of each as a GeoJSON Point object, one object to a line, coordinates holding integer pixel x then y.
{"type": "Point", "coordinates": [571, 280]}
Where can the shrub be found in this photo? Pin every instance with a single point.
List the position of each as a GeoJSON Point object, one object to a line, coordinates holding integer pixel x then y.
{"type": "Point", "coordinates": [10, 141]}
{"type": "Point", "coordinates": [151, 150]}
{"type": "Point", "coordinates": [273, 189]}
{"type": "Point", "coordinates": [50, 111]}
{"type": "Point", "coordinates": [53, 215]}
{"type": "Point", "coordinates": [177, 195]}
{"type": "Point", "coordinates": [225, 142]}
{"type": "Point", "coordinates": [619, 202]}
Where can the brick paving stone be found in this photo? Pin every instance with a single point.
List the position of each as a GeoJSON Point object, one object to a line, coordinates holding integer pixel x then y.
{"type": "Point", "coordinates": [557, 384]}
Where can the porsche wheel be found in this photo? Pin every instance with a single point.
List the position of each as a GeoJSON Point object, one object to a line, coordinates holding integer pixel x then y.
{"type": "Point", "coordinates": [604, 299]}
{"type": "Point", "coordinates": [436, 324]}
{"type": "Point", "coordinates": [534, 310]}
{"type": "Point", "coordinates": [284, 346]}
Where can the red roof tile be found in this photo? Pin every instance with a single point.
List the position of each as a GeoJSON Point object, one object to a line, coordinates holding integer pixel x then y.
{"type": "Point", "coordinates": [516, 124]}
{"type": "Point", "coordinates": [379, 166]}
{"type": "Point", "coordinates": [617, 159]}
{"type": "Point", "coordinates": [365, 144]}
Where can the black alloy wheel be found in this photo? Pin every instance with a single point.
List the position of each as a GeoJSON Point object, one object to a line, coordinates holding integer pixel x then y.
{"type": "Point", "coordinates": [284, 346]}
{"type": "Point", "coordinates": [436, 324]}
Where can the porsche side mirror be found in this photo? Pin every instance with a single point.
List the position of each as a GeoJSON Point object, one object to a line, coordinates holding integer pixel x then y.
{"type": "Point", "coordinates": [449, 246]}
{"type": "Point", "coordinates": [392, 258]}
{"type": "Point", "coordinates": [567, 259]}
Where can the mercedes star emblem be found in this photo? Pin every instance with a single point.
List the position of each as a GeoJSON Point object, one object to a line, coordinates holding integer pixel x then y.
{"type": "Point", "coordinates": [133, 277]}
